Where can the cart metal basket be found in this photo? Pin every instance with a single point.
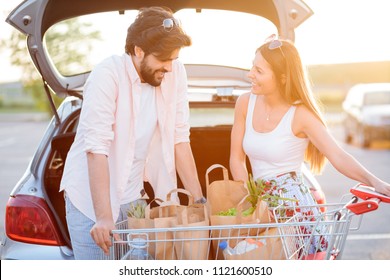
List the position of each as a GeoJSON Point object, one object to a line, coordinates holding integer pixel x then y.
{"type": "Point", "coordinates": [321, 236]}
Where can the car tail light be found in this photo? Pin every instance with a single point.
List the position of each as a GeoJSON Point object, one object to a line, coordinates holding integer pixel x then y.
{"type": "Point", "coordinates": [28, 219]}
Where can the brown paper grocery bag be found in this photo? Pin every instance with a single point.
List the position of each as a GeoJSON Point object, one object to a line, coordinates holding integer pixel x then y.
{"type": "Point", "coordinates": [254, 224]}
{"type": "Point", "coordinates": [193, 244]}
{"type": "Point", "coordinates": [148, 223]}
{"type": "Point", "coordinates": [223, 194]}
{"type": "Point", "coordinates": [226, 194]}
{"type": "Point", "coordinates": [271, 248]}
{"type": "Point", "coordinates": [273, 243]}
{"type": "Point", "coordinates": [166, 216]}
{"type": "Point", "coordinates": [187, 244]}
{"type": "Point", "coordinates": [231, 232]}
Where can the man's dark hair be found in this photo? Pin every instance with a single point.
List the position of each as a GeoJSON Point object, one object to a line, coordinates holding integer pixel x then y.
{"type": "Point", "coordinates": [148, 33]}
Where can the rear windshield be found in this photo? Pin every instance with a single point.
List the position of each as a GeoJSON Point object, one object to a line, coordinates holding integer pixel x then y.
{"type": "Point", "coordinates": [377, 98]}
{"type": "Point", "coordinates": [219, 38]}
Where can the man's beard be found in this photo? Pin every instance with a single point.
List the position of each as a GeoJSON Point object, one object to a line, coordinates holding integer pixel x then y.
{"type": "Point", "coordinates": [149, 75]}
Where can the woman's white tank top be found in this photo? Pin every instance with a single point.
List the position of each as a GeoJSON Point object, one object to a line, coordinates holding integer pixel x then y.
{"type": "Point", "coordinates": [275, 152]}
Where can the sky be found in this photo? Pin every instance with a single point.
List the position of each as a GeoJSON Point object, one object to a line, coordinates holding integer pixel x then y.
{"type": "Point", "coordinates": [345, 31]}
{"type": "Point", "coordinates": [339, 31]}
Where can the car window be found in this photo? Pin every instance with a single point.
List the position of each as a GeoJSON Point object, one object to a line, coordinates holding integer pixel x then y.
{"type": "Point", "coordinates": [218, 38]}
{"type": "Point", "coordinates": [223, 38]}
{"type": "Point", "coordinates": [377, 98]}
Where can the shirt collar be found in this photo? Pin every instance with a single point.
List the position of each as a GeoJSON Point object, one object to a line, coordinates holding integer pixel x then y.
{"type": "Point", "coordinates": [131, 71]}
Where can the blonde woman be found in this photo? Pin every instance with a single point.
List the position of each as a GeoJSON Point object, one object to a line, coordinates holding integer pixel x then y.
{"type": "Point", "coordinates": [278, 126]}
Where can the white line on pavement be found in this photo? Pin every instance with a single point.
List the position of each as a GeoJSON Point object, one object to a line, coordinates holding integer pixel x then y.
{"type": "Point", "coordinates": [368, 236]}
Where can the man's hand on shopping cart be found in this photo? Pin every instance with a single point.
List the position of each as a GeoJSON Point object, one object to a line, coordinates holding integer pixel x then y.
{"type": "Point", "coordinates": [101, 233]}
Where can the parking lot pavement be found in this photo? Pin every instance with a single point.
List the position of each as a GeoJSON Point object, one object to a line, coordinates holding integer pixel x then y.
{"type": "Point", "coordinates": [24, 117]}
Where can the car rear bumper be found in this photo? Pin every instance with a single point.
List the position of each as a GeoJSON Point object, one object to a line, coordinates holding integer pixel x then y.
{"type": "Point", "coordinates": [378, 132]}
{"type": "Point", "coordinates": [12, 250]}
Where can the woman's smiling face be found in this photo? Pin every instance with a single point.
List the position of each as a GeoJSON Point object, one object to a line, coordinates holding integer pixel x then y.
{"type": "Point", "coordinates": [262, 76]}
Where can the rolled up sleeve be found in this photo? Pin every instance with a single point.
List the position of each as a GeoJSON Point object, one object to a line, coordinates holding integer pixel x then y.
{"type": "Point", "coordinates": [182, 126]}
{"type": "Point", "coordinates": [98, 114]}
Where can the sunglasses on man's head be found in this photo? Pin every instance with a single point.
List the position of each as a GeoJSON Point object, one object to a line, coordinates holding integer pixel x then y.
{"type": "Point", "coordinates": [169, 23]}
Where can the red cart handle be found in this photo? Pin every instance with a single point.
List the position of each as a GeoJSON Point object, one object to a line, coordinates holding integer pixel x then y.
{"type": "Point", "coordinates": [371, 199]}
{"type": "Point", "coordinates": [365, 192]}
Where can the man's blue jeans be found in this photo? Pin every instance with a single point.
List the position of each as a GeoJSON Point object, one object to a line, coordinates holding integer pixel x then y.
{"type": "Point", "coordinates": [79, 226]}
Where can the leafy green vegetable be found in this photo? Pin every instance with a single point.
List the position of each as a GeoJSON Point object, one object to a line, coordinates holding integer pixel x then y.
{"type": "Point", "coordinates": [248, 211]}
{"type": "Point", "coordinates": [261, 189]}
{"type": "Point", "coordinates": [137, 211]}
{"type": "Point", "coordinates": [229, 212]}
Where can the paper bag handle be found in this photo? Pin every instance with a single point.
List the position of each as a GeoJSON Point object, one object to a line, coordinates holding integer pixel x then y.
{"type": "Point", "coordinates": [215, 166]}
{"type": "Point", "coordinates": [170, 202]}
{"type": "Point", "coordinates": [159, 201]}
{"type": "Point", "coordinates": [178, 190]}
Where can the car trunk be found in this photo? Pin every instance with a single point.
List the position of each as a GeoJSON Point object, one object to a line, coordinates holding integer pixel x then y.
{"type": "Point", "coordinates": [210, 145]}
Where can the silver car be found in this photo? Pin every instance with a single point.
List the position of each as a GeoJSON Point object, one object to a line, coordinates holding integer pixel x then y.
{"type": "Point", "coordinates": [367, 110]}
{"type": "Point", "coordinates": [225, 35]}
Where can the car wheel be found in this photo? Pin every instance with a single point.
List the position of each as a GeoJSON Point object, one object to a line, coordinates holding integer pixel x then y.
{"type": "Point", "coordinates": [363, 138]}
{"type": "Point", "coordinates": [348, 137]}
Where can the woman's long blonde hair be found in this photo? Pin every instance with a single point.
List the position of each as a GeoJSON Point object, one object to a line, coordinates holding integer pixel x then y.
{"type": "Point", "coordinates": [287, 65]}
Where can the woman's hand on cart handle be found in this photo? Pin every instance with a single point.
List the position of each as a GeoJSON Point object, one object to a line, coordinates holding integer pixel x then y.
{"type": "Point", "coordinates": [365, 192]}
{"type": "Point", "coordinates": [370, 199]}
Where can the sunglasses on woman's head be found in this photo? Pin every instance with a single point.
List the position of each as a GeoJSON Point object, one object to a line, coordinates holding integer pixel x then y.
{"type": "Point", "coordinates": [169, 23]}
{"type": "Point", "coordinates": [274, 43]}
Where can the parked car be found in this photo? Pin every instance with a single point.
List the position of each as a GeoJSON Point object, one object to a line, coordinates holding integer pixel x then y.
{"type": "Point", "coordinates": [367, 109]}
{"type": "Point", "coordinates": [35, 224]}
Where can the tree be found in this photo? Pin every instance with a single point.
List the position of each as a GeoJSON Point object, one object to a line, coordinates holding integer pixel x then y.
{"type": "Point", "coordinates": [63, 49]}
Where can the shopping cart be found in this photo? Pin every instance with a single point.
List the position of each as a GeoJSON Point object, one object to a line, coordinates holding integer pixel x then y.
{"type": "Point", "coordinates": [320, 236]}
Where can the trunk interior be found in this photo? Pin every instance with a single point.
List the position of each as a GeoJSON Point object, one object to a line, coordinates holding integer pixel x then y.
{"type": "Point", "coordinates": [210, 145]}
